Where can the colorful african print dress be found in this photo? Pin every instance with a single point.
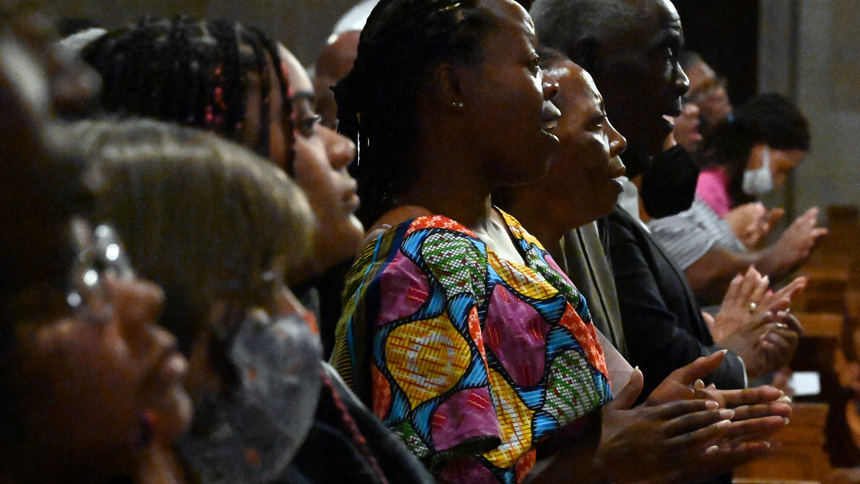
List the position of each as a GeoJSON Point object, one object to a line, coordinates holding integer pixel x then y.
{"type": "Point", "coordinates": [469, 358]}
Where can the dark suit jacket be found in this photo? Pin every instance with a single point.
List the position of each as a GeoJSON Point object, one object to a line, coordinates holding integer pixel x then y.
{"type": "Point", "coordinates": [663, 324]}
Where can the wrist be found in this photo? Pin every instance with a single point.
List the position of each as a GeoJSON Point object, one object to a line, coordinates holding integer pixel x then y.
{"type": "Point", "coordinates": [602, 462]}
{"type": "Point", "coordinates": [602, 467]}
{"type": "Point", "coordinates": [768, 261]}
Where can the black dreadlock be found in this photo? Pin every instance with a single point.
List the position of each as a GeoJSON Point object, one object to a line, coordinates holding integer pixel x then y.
{"type": "Point", "coordinates": [194, 73]}
{"type": "Point", "coordinates": [400, 44]}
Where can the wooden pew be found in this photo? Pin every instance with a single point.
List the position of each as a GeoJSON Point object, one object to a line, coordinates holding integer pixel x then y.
{"type": "Point", "coordinates": [800, 456]}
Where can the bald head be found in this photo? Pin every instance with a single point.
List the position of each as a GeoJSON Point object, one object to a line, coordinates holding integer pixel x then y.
{"type": "Point", "coordinates": [334, 62]}
{"type": "Point", "coordinates": [630, 47]}
{"type": "Point", "coordinates": [567, 24]}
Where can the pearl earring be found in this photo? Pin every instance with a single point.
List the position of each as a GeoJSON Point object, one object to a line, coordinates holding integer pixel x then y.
{"type": "Point", "coordinates": [457, 104]}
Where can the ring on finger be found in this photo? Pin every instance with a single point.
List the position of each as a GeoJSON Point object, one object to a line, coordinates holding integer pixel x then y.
{"type": "Point", "coordinates": [752, 306]}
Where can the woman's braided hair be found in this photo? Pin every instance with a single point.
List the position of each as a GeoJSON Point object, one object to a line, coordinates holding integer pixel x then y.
{"type": "Point", "coordinates": [191, 72]}
{"type": "Point", "coordinates": [400, 45]}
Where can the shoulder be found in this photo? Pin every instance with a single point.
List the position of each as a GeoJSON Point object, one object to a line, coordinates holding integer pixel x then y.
{"type": "Point", "coordinates": [416, 259]}
{"type": "Point", "coordinates": [687, 236]}
{"type": "Point", "coordinates": [622, 228]}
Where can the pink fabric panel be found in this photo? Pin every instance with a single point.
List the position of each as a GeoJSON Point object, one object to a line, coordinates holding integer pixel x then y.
{"type": "Point", "coordinates": [463, 416]}
{"type": "Point", "coordinates": [712, 188]}
{"type": "Point", "coordinates": [516, 334]}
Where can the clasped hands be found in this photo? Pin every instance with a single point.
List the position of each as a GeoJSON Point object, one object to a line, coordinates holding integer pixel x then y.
{"type": "Point", "coordinates": [756, 324]}
{"type": "Point", "coordinates": [686, 431]}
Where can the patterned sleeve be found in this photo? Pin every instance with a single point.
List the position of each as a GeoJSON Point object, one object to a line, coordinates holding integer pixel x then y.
{"type": "Point", "coordinates": [428, 369]}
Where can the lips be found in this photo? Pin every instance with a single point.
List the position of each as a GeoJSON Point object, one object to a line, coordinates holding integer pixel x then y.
{"type": "Point", "coordinates": [167, 403]}
{"type": "Point", "coordinates": [667, 124]}
{"type": "Point", "coordinates": [352, 201]}
{"type": "Point", "coordinates": [550, 115]}
{"type": "Point", "coordinates": [675, 107]}
{"type": "Point", "coordinates": [173, 368]}
{"type": "Point", "coordinates": [168, 366]}
{"type": "Point", "coordinates": [616, 167]}
{"type": "Point", "coordinates": [350, 198]}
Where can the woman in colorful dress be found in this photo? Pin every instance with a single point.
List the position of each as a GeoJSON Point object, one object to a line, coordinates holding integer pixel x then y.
{"type": "Point", "coordinates": [459, 329]}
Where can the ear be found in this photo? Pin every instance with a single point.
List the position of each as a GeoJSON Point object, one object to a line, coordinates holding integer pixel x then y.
{"type": "Point", "coordinates": [449, 86]}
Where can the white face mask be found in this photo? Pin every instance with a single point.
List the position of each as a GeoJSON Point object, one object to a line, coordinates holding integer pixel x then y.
{"type": "Point", "coordinates": [759, 182]}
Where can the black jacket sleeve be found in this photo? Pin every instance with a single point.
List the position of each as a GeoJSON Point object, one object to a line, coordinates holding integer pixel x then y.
{"type": "Point", "coordinates": [663, 325]}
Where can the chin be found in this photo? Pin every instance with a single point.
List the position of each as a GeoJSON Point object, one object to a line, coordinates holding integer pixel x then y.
{"type": "Point", "coordinates": [342, 245]}
{"type": "Point", "coordinates": [604, 207]}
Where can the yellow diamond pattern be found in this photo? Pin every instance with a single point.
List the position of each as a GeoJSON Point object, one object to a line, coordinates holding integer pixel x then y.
{"type": "Point", "coordinates": [427, 358]}
{"type": "Point", "coordinates": [522, 279]}
{"type": "Point", "coordinates": [515, 420]}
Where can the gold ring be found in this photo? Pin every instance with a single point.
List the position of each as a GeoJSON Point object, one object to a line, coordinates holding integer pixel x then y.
{"type": "Point", "coordinates": [752, 306]}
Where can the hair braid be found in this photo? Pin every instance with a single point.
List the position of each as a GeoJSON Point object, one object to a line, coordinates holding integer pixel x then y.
{"type": "Point", "coordinates": [400, 44]}
{"type": "Point", "coordinates": [191, 72]}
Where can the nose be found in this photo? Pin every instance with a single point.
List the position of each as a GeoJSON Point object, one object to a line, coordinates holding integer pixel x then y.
{"type": "Point", "coordinates": [682, 82]}
{"type": "Point", "coordinates": [550, 87]}
{"type": "Point", "coordinates": [339, 149]}
{"type": "Point", "coordinates": [137, 303]}
{"type": "Point", "coordinates": [617, 142]}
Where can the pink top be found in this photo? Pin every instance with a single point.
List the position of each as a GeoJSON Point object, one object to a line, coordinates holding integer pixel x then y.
{"type": "Point", "coordinates": [712, 188]}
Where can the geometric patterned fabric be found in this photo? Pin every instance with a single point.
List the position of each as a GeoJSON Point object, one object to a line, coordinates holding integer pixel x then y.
{"type": "Point", "coordinates": [469, 358]}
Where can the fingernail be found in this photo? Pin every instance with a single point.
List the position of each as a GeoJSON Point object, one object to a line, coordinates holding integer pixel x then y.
{"type": "Point", "coordinates": [712, 449]}
{"type": "Point", "coordinates": [727, 414]}
{"type": "Point", "coordinates": [711, 405]}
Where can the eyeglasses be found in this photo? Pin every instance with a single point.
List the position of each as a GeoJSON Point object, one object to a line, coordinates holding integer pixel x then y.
{"type": "Point", "coordinates": [99, 252]}
{"type": "Point", "coordinates": [705, 90]}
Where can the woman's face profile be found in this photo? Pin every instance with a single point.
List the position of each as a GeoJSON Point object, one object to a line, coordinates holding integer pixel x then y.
{"type": "Point", "coordinates": [586, 167]}
{"type": "Point", "coordinates": [100, 379]}
{"type": "Point", "coordinates": [320, 168]}
{"type": "Point", "coordinates": [508, 100]}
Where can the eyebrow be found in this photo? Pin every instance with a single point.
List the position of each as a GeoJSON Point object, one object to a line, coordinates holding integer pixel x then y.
{"type": "Point", "coordinates": [671, 34]}
{"type": "Point", "coordinates": [597, 116]}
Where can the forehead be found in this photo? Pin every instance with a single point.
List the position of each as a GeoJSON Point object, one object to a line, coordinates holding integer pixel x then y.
{"type": "Point", "coordinates": [577, 91]}
{"type": "Point", "coordinates": [649, 24]}
{"type": "Point", "coordinates": [510, 16]}
{"type": "Point", "coordinates": [297, 77]}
